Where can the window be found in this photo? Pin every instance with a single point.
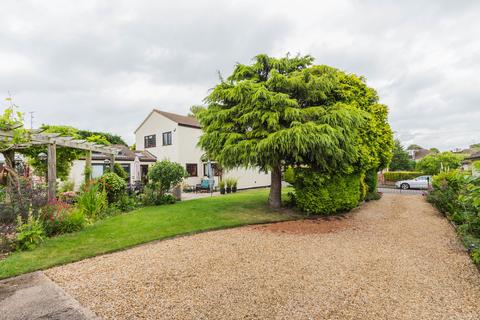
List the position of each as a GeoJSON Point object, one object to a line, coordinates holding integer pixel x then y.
{"type": "Point", "coordinates": [97, 170]}
{"type": "Point", "coordinates": [192, 169]}
{"type": "Point", "coordinates": [150, 141]}
{"type": "Point", "coordinates": [167, 138]}
{"type": "Point", "coordinates": [216, 172]}
{"type": "Point", "coordinates": [126, 167]}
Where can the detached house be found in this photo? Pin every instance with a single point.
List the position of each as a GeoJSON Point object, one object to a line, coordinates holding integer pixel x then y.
{"type": "Point", "coordinates": [174, 137]}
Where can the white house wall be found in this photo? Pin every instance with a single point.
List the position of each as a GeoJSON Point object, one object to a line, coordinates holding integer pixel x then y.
{"type": "Point", "coordinates": [184, 150]}
{"type": "Point", "coordinates": [157, 124]}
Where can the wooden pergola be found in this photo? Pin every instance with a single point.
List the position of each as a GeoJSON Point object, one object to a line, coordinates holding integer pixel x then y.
{"type": "Point", "coordinates": [52, 140]}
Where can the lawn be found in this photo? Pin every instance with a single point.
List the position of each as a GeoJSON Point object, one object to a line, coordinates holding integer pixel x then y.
{"type": "Point", "coordinates": [144, 225]}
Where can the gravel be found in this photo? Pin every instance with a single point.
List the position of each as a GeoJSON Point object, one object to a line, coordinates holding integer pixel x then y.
{"type": "Point", "coordinates": [396, 258]}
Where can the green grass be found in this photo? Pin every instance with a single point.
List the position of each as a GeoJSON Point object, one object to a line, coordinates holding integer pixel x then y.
{"type": "Point", "coordinates": [144, 225]}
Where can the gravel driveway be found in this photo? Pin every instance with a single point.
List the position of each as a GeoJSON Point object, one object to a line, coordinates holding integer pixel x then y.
{"type": "Point", "coordinates": [392, 259]}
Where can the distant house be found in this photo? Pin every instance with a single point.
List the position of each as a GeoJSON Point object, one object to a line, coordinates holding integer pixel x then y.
{"type": "Point", "coordinates": [175, 137]}
{"type": "Point", "coordinates": [468, 163]}
{"type": "Point", "coordinates": [125, 159]}
{"type": "Point", "coordinates": [417, 154]}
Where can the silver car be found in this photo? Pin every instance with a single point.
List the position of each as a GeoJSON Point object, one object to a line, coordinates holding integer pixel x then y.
{"type": "Point", "coordinates": [422, 182]}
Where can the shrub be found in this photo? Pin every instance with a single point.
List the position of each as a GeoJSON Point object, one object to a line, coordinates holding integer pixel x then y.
{"type": "Point", "coordinates": [151, 197]}
{"type": "Point", "coordinates": [126, 203]}
{"type": "Point", "coordinates": [66, 186]}
{"type": "Point", "coordinates": [317, 193]}
{"type": "Point", "coordinates": [59, 217]}
{"type": "Point", "coordinates": [164, 175]}
{"type": "Point", "coordinates": [394, 176]}
{"type": "Point", "coordinates": [93, 201]}
{"type": "Point", "coordinates": [27, 198]}
{"type": "Point", "coordinates": [114, 185]}
{"type": "Point", "coordinates": [29, 233]}
{"type": "Point", "coordinates": [458, 196]}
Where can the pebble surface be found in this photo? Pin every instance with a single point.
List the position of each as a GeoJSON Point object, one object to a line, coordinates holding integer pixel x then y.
{"type": "Point", "coordinates": [395, 258]}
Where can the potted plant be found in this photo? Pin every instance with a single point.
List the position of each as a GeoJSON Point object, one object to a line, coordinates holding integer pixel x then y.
{"type": "Point", "coordinates": [221, 184]}
{"type": "Point", "coordinates": [234, 185]}
{"type": "Point", "coordinates": [229, 185]}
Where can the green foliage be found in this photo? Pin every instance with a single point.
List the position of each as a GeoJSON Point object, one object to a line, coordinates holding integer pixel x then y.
{"type": "Point", "coordinates": [394, 176]}
{"type": "Point", "coordinates": [12, 120]}
{"type": "Point", "coordinates": [476, 165]}
{"type": "Point", "coordinates": [289, 175]}
{"type": "Point", "coordinates": [151, 197]}
{"type": "Point", "coordinates": [317, 193]}
{"type": "Point", "coordinates": [231, 182]}
{"type": "Point", "coordinates": [221, 185]}
{"type": "Point", "coordinates": [458, 196]}
{"type": "Point", "coordinates": [66, 156]}
{"type": "Point", "coordinates": [66, 186]}
{"type": "Point", "coordinates": [118, 169]}
{"type": "Point", "coordinates": [278, 112]}
{"type": "Point", "coordinates": [414, 147]}
{"type": "Point", "coordinates": [400, 160]}
{"type": "Point", "coordinates": [164, 175]}
{"type": "Point", "coordinates": [29, 233]}
{"type": "Point", "coordinates": [194, 110]}
{"type": "Point", "coordinates": [373, 196]}
{"type": "Point", "coordinates": [435, 163]}
{"type": "Point", "coordinates": [371, 179]}
{"type": "Point", "coordinates": [105, 136]}
{"type": "Point", "coordinates": [126, 203]}
{"type": "Point", "coordinates": [63, 220]}
{"type": "Point", "coordinates": [93, 201]}
{"type": "Point", "coordinates": [114, 185]}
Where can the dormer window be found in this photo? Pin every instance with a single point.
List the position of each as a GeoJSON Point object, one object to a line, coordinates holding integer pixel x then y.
{"type": "Point", "coordinates": [167, 138]}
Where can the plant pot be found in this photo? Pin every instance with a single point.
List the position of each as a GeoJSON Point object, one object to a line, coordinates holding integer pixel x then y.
{"type": "Point", "coordinates": [229, 190]}
{"type": "Point", "coordinates": [222, 191]}
{"type": "Point", "coordinates": [234, 189]}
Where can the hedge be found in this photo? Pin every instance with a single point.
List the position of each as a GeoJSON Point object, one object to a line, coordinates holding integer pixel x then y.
{"type": "Point", "coordinates": [394, 176]}
{"type": "Point", "coordinates": [317, 193]}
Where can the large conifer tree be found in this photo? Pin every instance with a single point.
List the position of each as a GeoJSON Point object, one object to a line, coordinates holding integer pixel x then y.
{"type": "Point", "coordinates": [278, 112]}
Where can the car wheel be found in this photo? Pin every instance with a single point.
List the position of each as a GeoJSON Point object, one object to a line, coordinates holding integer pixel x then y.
{"type": "Point", "coordinates": [405, 186]}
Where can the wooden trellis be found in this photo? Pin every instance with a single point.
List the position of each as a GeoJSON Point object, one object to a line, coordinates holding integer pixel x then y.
{"type": "Point", "coordinates": [52, 140]}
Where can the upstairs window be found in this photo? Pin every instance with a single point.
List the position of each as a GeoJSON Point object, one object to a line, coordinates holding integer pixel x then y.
{"type": "Point", "coordinates": [150, 141]}
{"type": "Point", "coordinates": [167, 138]}
{"type": "Point", "coordinates": [192, 169]}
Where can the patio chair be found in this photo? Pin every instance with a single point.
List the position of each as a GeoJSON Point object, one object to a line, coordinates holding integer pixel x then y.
{"type": "Point", "coordinates": [204, 186]}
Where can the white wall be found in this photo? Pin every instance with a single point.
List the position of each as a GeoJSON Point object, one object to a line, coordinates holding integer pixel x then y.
{"type": "Point", "coordinates": [248, 178]}
{"type": "Point", "coordinates": [158, 124]}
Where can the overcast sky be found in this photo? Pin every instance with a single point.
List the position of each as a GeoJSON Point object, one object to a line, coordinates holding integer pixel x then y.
{"type": "Point", "coordinates": [103, 65]}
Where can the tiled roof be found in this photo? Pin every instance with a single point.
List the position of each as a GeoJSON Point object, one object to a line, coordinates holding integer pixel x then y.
{"type": "Point", "coordinates": [181, 120]}
{"type": "Point", "coordinates": [474, 156]}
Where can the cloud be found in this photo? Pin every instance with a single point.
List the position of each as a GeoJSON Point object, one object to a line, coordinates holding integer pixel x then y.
{"type": "Point", "coordinates": [105, 65]}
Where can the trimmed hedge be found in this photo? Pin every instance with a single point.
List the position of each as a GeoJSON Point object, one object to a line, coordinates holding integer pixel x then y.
{"type": "Point", "coordinates": [394, 176]}
{"type": "Point", "coordinates": [317, 193]}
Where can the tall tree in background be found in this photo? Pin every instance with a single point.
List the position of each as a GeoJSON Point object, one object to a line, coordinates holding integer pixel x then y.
{"type": "Point", "coordinates": [400, 159]}
{"type": "Point", "coordinates": [278, 112]}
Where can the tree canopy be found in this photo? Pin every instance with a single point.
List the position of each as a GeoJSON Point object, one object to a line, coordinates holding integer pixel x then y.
{"type": "Point", "coordinates": [287, 111]}
{"type": "Point", "coordinates": [435, 163]}
{"type": "Point", "coordinates": [400, 160]}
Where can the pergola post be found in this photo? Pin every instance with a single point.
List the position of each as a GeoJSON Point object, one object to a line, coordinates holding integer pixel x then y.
{"type": "Point", "coordinates": [88, 166]}
{"type": "Point", "coordinates": [112, 162]}
{"type": "Point", "coordinates": [52, 171]}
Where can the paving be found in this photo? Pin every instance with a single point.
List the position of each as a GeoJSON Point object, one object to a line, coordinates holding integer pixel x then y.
{"type": "Point", "coordinates": [395, 258]}
{"type": "Point", "coordinates": [34, 296]}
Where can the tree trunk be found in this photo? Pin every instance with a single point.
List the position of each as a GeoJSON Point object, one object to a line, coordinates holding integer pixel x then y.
{"type": "Point", "coordinates": [275, 197]}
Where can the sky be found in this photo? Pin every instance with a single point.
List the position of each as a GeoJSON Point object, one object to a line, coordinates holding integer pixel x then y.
{"type": "Point", "coordinates": [104, 65]}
